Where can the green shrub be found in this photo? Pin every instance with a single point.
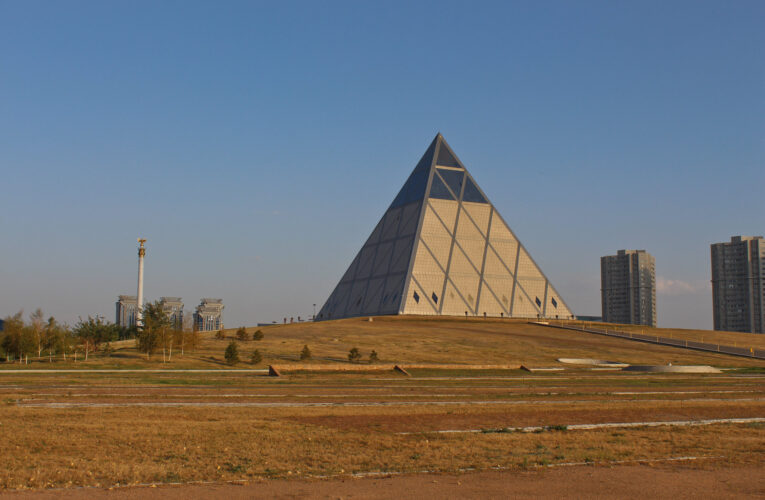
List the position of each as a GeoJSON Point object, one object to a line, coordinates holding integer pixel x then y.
{"type": "Point", "coordinates": [305, 354]}
{"type": "Point", "coordinates": [373, 357]}
{"type": "Point", "coordinates": [241, 334]}
{"type": "Point", "coordinates": [256, 358]}
{"type": "Point", "coordinates": [354, 356]}
{"type": "Point", "coordinates": [220, 335]}
{"type": "Point", "coordinates": [232, 353]}
{"type": "Point", "coordinates": [257, 335]}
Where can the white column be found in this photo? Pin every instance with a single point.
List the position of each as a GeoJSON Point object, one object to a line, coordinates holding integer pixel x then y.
{"type": "Point", "coordinates": [139, 303]}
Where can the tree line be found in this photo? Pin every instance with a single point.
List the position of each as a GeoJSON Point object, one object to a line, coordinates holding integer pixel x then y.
{"type": "Point", "coordinates": [48, 338]}
{"type": "Point", "coordinates": [41, 338]}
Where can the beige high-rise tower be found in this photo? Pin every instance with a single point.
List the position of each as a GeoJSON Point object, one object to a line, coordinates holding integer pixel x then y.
{"type": "Point", "coordinates": [738, 284]}
{"type": "Point", "coordinates": [442, 248]}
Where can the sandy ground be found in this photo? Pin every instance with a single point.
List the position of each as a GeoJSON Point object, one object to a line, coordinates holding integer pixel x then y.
{"type": "Point", "coordinates": [628, 481]}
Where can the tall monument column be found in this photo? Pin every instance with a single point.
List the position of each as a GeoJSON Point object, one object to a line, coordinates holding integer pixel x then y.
{"type": "Point", "coordinates": [139, 302]}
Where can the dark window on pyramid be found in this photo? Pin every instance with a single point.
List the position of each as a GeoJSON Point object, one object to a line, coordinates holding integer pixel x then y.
{"type": "Point", "coordinates": [438, 189]}
{"type": "Point", "coordinates": [445, 158]}
{"type": "Point", "coordinates": [416, 297]}
{"type": "Point", "coordinates": [413, 190]}
{"type": "Point", "coordinates": [554, 303]}
{"type": "Point", "coordinates": [539, 302]}
{"type": "Point", "coordinates": [472, 193]}
{"type": "Point", "coordinates": [434, 297]}
{"type": "Point", "coordinates": [453, 179]}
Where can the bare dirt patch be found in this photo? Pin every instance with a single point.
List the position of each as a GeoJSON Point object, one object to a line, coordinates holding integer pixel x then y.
{"type": "Point", "coordinates": [532, 416]}
{"type": "Point", "coordinates": [623, 482]}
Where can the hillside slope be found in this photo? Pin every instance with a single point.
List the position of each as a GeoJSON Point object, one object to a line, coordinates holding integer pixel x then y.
{"type": "Point", "coordinates": [416, 339]}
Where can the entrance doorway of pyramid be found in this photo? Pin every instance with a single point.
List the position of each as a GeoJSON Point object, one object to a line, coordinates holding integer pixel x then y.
{"type": "Point", "coordinates": [442, 248]}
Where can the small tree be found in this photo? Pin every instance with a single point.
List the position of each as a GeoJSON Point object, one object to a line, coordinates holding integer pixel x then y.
{"type": "Point", "coordinates": [305, 354]}
{"type": "Point", "coordinates": [155, 331]}
{"type": "Point", "coordinates": [219, 335]}
{"type": "Point", "coordinates": [256, 358]}
{"type": "Point", "coordinates": [241, 334]}
{"type": "Point", "coordinates": [11, 335]}
{"type": "Point", "coordinates": [354, 356]}
{"type": "Point", "coordinates": [37, 323]}
{"type": "Point", "coordinates": [373, 357]}
{"type": "Point", "coordinates": [53, 337]}
{"type": "Point", "coordinates": [257, 335]}
{"type": "Point", "coordinates": [67, 341]}
{"type": "Point", "coordinates": [17, 338]}
{"type": "Point", "coordinates": [92, 332]}
{"type": "Point", "coordinates": [232, 353]}
{"type": "Point", "coordinates": [27, 342]}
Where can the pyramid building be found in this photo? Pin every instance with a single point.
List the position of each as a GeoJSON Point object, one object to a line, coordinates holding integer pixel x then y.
{"type": "Point", "coordinates": [443, 249]}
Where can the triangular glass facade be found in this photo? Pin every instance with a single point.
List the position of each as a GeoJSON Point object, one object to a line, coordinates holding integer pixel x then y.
{"type": "Point", "coordinates": [441, 248]}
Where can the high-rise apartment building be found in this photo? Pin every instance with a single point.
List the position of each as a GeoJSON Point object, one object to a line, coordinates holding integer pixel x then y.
{"type": "Point", "coordinates": [738, 284]}
{"type": "Point", "coordinates": [126, 309]}
{"type": "Point", "coordinates": [209, 315]}
{"type": "Point", "coordinates": [173, 308]}
{"type": "Point", "coordinates": [628, 287]}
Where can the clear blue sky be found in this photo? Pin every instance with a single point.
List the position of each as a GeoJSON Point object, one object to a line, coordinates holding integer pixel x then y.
{"type": "Point", "coordinates": [255, 145]}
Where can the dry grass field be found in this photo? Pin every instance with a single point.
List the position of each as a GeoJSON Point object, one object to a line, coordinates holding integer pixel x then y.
{"type": "Point", "coordinates": [129, 428]}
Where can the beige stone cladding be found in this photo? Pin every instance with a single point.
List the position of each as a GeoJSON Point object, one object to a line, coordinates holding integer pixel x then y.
{"type": "Point", "coordinates": [441, 248]}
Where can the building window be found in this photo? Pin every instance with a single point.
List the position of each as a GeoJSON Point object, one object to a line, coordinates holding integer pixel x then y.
{"type": "Point", "coordinates": [416, 297]}
{"type": "Point", "coordinates": [434, 297]}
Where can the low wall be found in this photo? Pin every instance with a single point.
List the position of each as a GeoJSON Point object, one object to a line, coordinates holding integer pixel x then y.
{"type": "Point", "coordinates": [342, 367]}
{"type": "Point", "coordinates": [671, 369]}
{"type": "Point", "coordinates": [593, 362]}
